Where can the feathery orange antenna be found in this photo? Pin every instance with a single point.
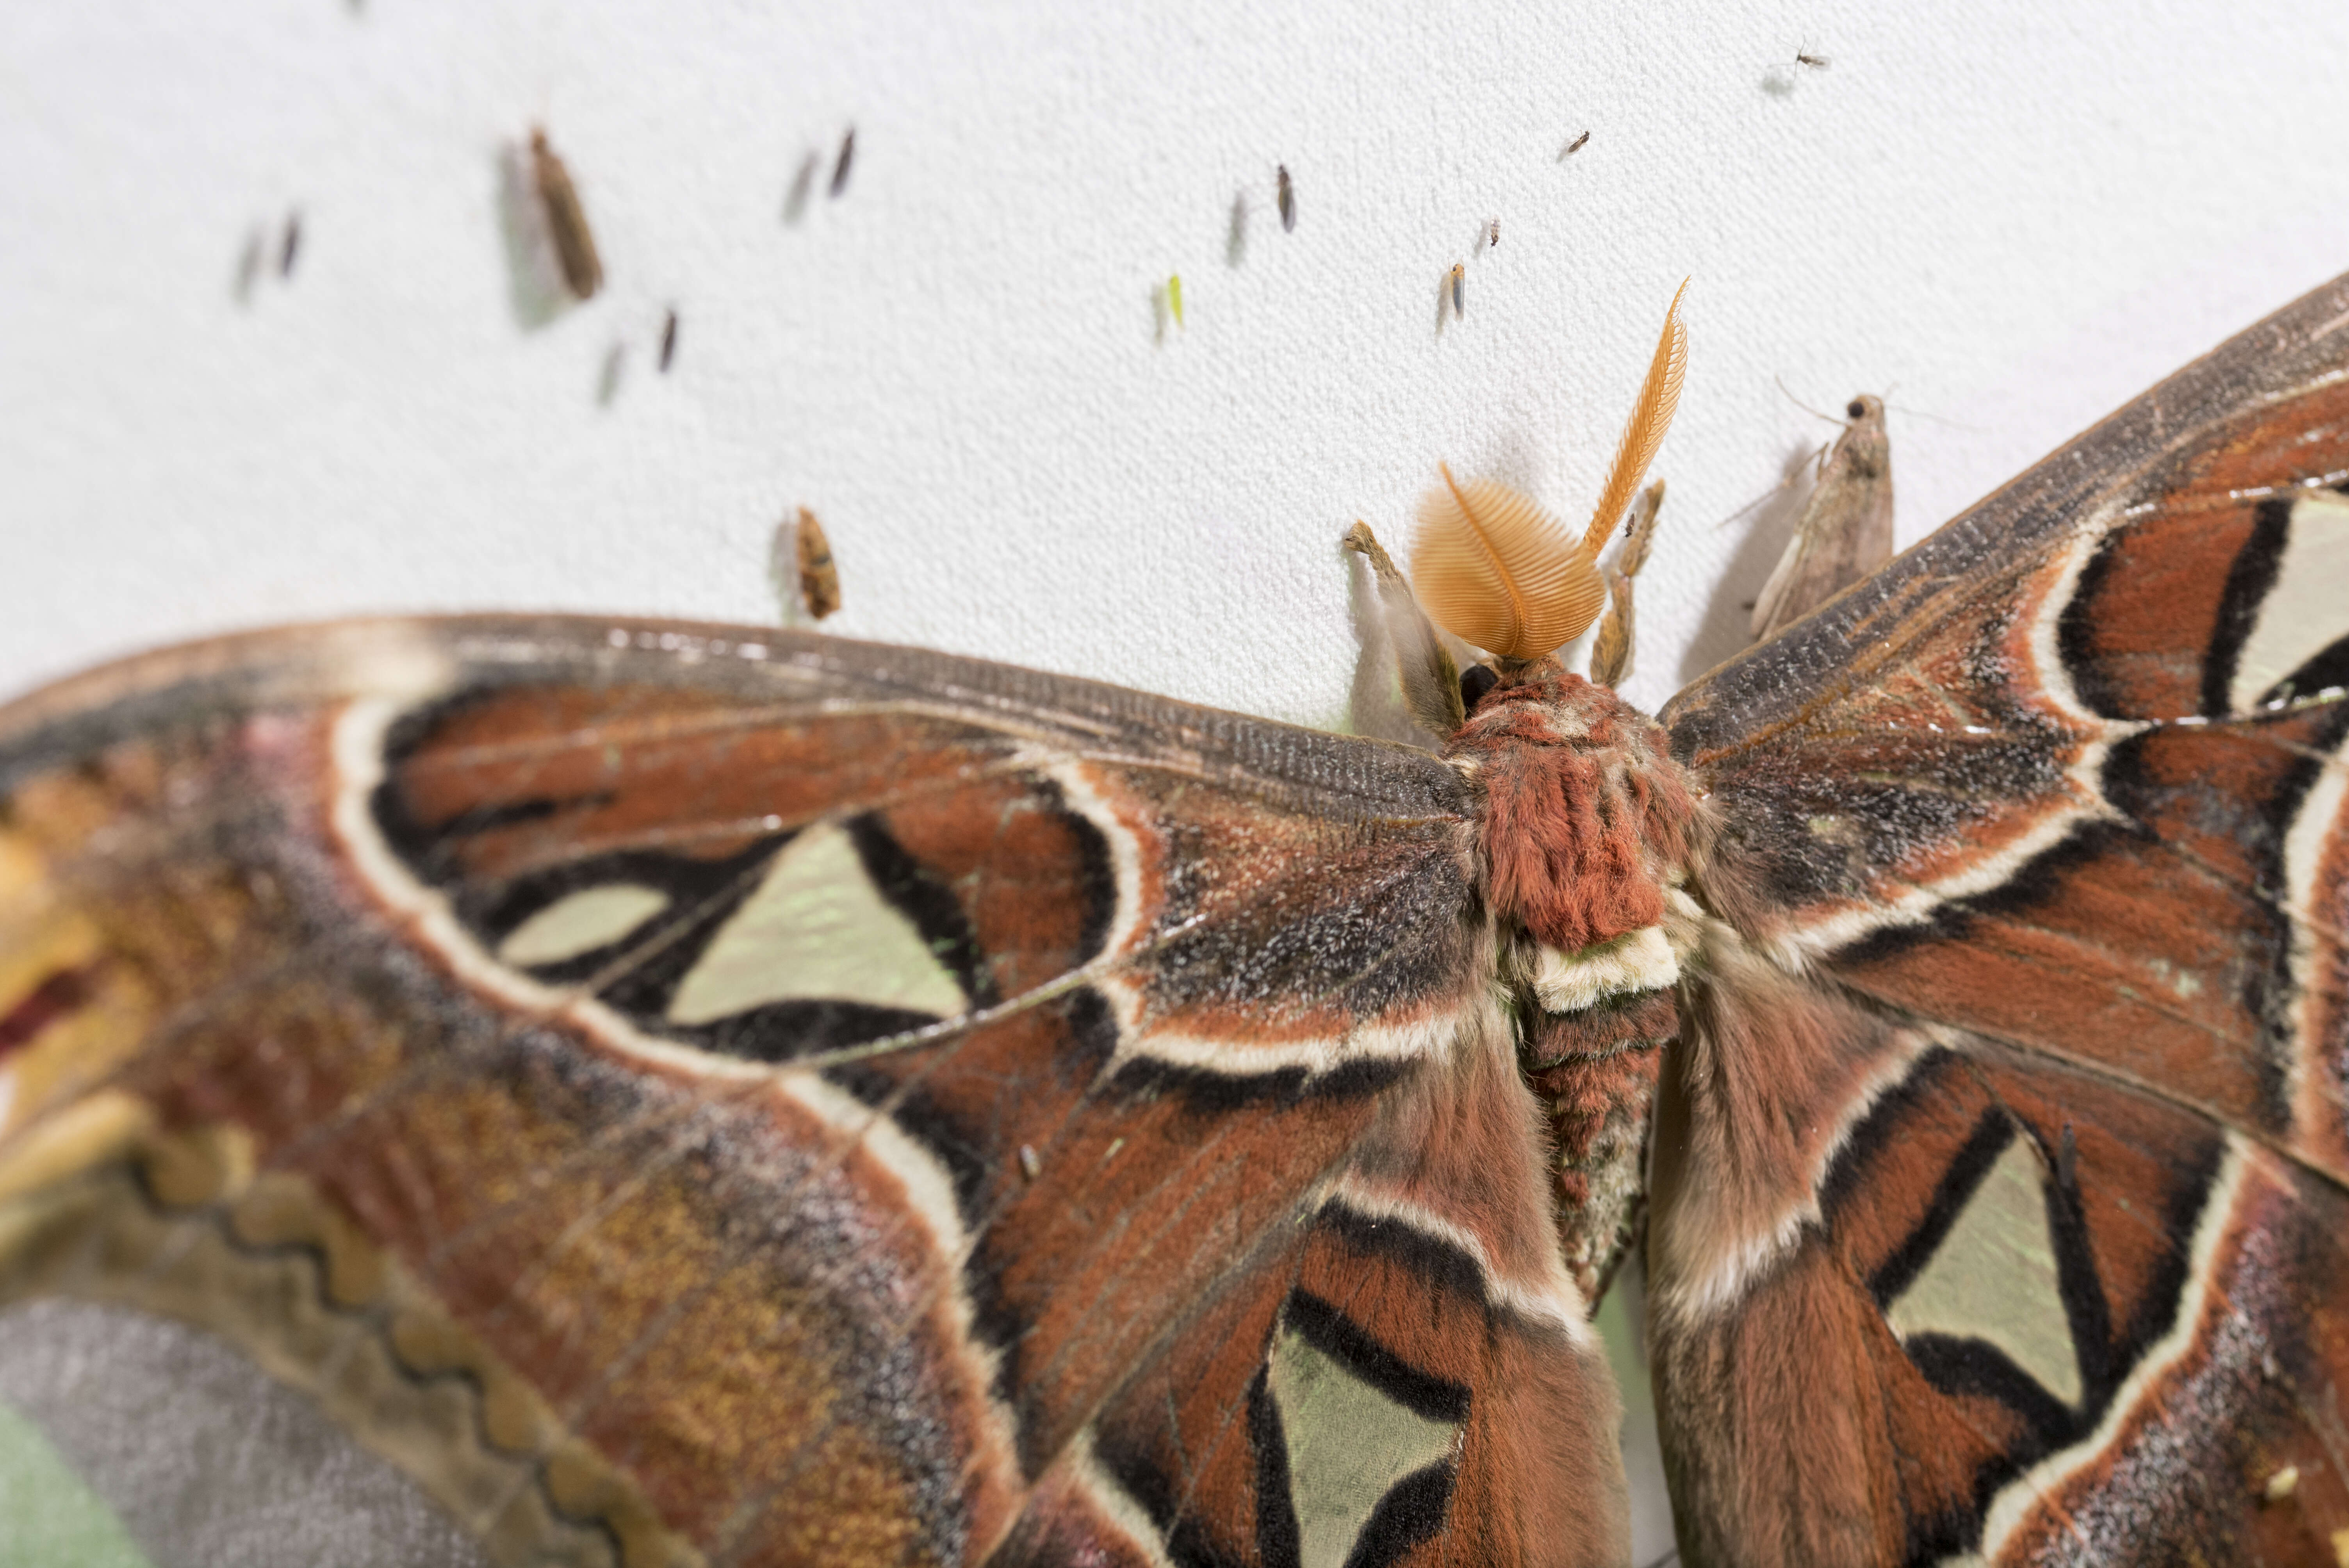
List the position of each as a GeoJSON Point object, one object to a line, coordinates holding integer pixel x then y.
{"type": "Point", "coordinates": [1499, 573]}
{"type": "Point", "coordinates": [1652, 416]}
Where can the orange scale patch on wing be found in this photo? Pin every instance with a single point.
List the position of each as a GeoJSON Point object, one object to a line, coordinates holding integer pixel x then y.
{"type": "Point", "coordinates": [2148, 605]}
{"type": "Point", "coordinates": [1033, 880]}
{"type": "Point", "coordinates": [514, 780]}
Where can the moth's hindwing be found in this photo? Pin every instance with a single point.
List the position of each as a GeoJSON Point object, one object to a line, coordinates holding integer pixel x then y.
{"type": "Point", "coordinates": [2054, 1195]}
{"type": "Point", "coordinates": [659, 1094]}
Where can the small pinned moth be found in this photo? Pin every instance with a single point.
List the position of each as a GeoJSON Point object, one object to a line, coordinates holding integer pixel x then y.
{"type": "Point", "coordinates": [566, 1089]}
{"type": "Point", "coordinates": [668, 339]}
{"type": "Point", "coordinates": [1287, 199]}
{"type": "Point", "coordinates": [841, 163]}
{"type": "Point", "coordinates": [566, 220]}
{"type": "Point", "coordinates": [819, 578]}
{"type": "Point", "coordinates": [1455, 285]}
{"type": "Point", "coordinates": [1845, 531]}
{"type": "Point", "coordinates": [1574, 147]}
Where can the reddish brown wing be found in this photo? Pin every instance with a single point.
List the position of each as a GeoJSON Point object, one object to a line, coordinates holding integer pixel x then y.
{"type": "Point", "coordinates": [685, 1094]}
{"type": "Point", "coordinates": [2001, 1196]}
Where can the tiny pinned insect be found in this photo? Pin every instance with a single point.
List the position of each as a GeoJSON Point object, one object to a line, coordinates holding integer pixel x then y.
{"type": "Point", "coordinates": [1574, 147]}
{"type": "Point", "coordinates": [841, 164]}
{"type": "Point", "coordinates": [1492, 233]}
{"type": "Point", "coordinates": [1174, 298]}
{"type": "Point", "coordinates": [291, 245]}
{"type": "Point", "coordinates": [1456, 284]}
{"type": "Point", "coordinates": [1287, 201]}
{"type": "Point", "coordinates": [1030, 1165]}
{"type": "Point", "coordinates": [819, 578]}
{"type": "Point", "coordinates": [1805, 57]}
{"type": "Point", "coordinates": [566, 220]}
{"type": "Point", "coordinates": [668, 341]}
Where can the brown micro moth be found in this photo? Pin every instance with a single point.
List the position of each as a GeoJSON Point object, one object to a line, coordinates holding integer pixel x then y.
{"type": "Point", "coordinates": [1846, 528]}
{"type": "Point", "coordinates": [819, 578]}
{"type": "Point", "coordinates": [841, 165]}
{"type": "Point", "coordinates": [566, 220]}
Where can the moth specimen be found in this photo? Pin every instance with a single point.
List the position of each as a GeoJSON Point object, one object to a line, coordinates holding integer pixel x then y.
{"type": "Point", "coordinates": [667, 340]}
{"type": "Point", "coordinates": [1455, 285]}
{"type": "Point", "coordinates": [631, 1091]}
{"type": "Point", "coordinates": [1286, 198]}
{"type": "Point", "coordinates": [819, 578]}
{"type": "Point", "coordinates": [1575, 146]}
{"type": "Point", "coordinates": [566, 220]}
{"type": "Point", "coordinates": [1845, 531]}
{"type": "Point", "coordinates": [841, 164]}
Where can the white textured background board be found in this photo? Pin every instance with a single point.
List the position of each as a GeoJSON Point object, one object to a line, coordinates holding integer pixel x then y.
{"type": "Point", "coordinates": [2012, 221]}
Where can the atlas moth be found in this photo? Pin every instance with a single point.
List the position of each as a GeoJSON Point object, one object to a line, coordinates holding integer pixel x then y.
{"type": "Point", "coordinates": [514, 1089]}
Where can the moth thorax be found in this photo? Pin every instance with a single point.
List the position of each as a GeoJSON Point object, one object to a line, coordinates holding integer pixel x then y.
{"type": "Point", "coordinates": [1585, 818]}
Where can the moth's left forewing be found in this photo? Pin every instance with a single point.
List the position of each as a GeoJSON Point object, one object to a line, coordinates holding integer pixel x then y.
{"type": "Point", "coordinates": [769, 1099]}
{"type": "Point", "coordinates": [2045, 823]}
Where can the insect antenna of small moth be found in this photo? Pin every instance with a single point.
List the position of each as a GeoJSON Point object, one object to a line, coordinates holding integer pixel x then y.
{"type": "Point", "coordinates": [566, 220]}
{"type": "Point", "coordinates": [840, 166]}
{"type": "Point", "coordinates": [819, 578]}
{"type": "Point", "coordinates": [1504, 575]}
{"type": "Point", "coordinates": [1612, 649]}
{"type": "Point", "coordinates": [668, 340]}
{"type": "Point", "coordinates": [1574, 147]}
{"type": "Point", "coordinates": [1287, 199]}
{"type": "Point", "coordinates": [289, 246]}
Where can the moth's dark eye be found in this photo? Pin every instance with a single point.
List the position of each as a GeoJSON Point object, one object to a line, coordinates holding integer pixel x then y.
{"type": "Point", "coordinates": [1474, 682]}
{"type": "Point", "coordinates": [1856, 408]}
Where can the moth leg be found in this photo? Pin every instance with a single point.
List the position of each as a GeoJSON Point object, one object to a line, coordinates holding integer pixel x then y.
{"type": "Point", "coordinates": [1611, 652]}
{"type": "Point", "coordinates": [1424, 668]}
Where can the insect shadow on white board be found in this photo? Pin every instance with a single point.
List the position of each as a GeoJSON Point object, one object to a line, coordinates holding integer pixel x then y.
{"type": "Point", "coordinates": [536, 289]}
{"type": "Point", "coordinates": [1450, 296]}
{"type": "Point", "coordinates": [610, 373]}
{"type": "Point", "coordinates": [803, 186]}
{"type": "Point", "coordinates": [250, 263]}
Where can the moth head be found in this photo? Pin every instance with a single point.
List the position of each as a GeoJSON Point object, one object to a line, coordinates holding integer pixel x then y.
{"type": "Point", "coordinates": [1501, 574]}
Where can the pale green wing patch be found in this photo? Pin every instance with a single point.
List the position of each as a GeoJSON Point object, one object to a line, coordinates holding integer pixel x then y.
{"type": "Point", "coordinates": [1349, 1444]}
{"type": "Point", "coordinates": [48, 1518]}
{"type": "Point", "coordinates": [580, 923]}
{"type": "Point", "coordinates": [1994, 1278]}
{"type": "Point", "coordinates": [816, 929]}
